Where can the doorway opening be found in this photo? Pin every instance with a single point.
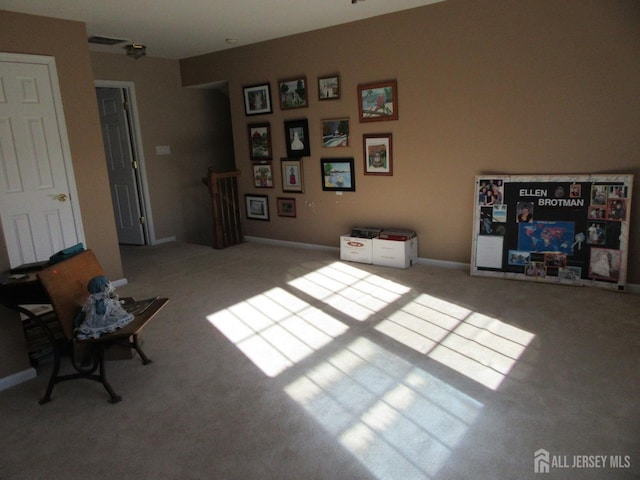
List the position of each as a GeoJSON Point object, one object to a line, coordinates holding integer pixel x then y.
{"type": "Point", "coordinates": [125, 162]}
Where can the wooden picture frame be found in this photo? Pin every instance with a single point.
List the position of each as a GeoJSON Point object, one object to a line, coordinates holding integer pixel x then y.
{"type": "Point", "coordinates": [296, 133]}
{"type": "Point", "coordinates": [260, 142]}
{"type": "Point", "coordinates": [286, 207]}
{"type": "Point", "coordinates": [329, 87]}
{"type": "Point", "coordinates": [292, 175]}
{"type": "Point", "coordinates": [257, 207]}
{"type": "Point", "coordinates": [338, 174]}
{"type": "Point", "coordinates": [378, 154]}
{"type": "Point", "coordinates": [378, 101]}
{"type": "Point", "coordinates": [293, 93]}
{"type": "Point", "coordinates": [335, 132]}
{"type": "Point", "coordinates": [262, 175]}
{"type": "Point", "coordinates": [257, 99]}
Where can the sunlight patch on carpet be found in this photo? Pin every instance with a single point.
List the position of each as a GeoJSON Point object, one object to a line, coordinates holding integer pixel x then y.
{"type": "Point", "coordinates": [276, 329]}
{"type": "Point", "coordinates": [478, 346]}
{"type": "Point", "coordinates": [397, 419]}
{"type": "Point", "coordinates": [350, 290]}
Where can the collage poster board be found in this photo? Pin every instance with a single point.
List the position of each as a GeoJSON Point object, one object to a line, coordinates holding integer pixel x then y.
{"type": "Point", "coordinates": [558, 229]}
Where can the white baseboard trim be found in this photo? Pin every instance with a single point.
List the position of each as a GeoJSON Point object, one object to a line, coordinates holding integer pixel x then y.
{"type": "Point", "coordinates": [286, 243]}
{"type": "Point", "coordinates": [159, 241]}
{"type": "Point", "coordinates": [313, 246]}
{"type": "Point", "coordinates": [443, 264]}
{"type": "Point", "coordinates": [629, 287]}
{"type": "Point", "coordinates": [16, 378]}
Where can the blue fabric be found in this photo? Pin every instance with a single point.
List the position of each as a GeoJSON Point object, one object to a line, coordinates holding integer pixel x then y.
{"type": "Point", "coordinates": [66, 253]}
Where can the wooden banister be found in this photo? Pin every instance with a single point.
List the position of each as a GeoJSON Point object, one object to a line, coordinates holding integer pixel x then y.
{"type": "Point", "coordinates": [223, 188]}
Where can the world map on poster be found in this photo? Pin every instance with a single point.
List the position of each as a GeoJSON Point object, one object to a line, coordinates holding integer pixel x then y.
{"type": "Point", "coordinates": [547, 237]}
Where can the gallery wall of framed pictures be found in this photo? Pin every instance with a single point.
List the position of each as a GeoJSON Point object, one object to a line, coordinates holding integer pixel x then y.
{"type": "Point", "coordinates": [335, 163]}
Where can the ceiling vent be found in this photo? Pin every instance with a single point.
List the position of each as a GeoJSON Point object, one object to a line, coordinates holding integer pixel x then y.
{"type": "Point", "coordinates": [95, 39]}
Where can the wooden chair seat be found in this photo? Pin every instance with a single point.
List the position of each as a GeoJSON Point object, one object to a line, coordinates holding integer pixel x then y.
{"type": "Point", "coordinates": [66, 285]}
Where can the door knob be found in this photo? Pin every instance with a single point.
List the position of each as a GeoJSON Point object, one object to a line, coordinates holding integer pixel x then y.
{"type": "Point", "coordinates": [61, 197]}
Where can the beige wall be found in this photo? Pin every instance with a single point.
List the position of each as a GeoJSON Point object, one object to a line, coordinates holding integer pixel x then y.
{"type": "Point", "coordinates": [67, 42]}
{"type": "Point", "coordinates": [485, 86]}
{"type": "Point", "coordinates": [193, 123]}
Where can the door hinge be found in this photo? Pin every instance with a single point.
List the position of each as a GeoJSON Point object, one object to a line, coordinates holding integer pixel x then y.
{"type": "Point", "coordinates": [142, 220]}
{"type": "Point", "coordinates": [125, 105]}
{"type": "Point", "coordinates": [134, 165]}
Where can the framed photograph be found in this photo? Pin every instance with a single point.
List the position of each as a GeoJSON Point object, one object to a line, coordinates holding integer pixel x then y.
{"type": "Point", "coordinates": [329, 87]}
{"type": "Point", "coordinates": [292, 177]}
{"type": "Point", "coordinates": [296, 133]}
{"type": "Point", "coordinates": [338, 174]}
{"type": "Point", "coordinates": [293, 93]}
{"type": "Point", "coordinates": [335, 132]}
{"type": "Point", "coordinates": [257, 207]}
{"type": "Point", "coordinates": [257, 99]}
{"type": "Point", "coordinates": [286, 206]}
{"type": "Point", "coordinates": [378, 101]}
{"type": "Point", "coordinates": [378, 157]}
{"type": "Point", "coordinates": [260, 142]}
{"type": "Point", "coordinates": [262, 176]}
{"type": "Point", "coordinates": [617, 209]}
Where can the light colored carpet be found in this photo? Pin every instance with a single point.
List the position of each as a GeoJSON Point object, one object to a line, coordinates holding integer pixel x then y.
{"type": "Point", "coordinates": [283, 363]}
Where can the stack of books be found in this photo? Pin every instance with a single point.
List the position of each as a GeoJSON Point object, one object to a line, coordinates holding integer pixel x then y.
{"type": "Point", "coordinates": [396, 234]}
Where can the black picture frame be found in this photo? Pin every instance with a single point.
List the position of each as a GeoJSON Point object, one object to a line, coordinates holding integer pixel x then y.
{"type": "Point", "coordinates": [257, 99]}
{"type": "Point", "coordinates": [338, 174]}
{"type": "Point", "coordinates": [257, 207]}
{"type": "Point", "coordinates": [260, 149]}
{"type": "Point", "coordinates": [296, 138]}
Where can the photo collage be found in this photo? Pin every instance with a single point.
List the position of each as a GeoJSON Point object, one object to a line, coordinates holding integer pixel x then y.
{"type": "Point", "coordinates": [560, 229]}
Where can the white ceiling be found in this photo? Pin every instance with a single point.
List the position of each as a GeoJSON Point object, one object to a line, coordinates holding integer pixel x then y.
{"type": "Point", "coordinates": [183, 28]}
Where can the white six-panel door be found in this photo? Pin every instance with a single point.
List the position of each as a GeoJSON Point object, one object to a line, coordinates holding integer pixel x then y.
{"type": "Point", "coordinates": [38, 201]}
